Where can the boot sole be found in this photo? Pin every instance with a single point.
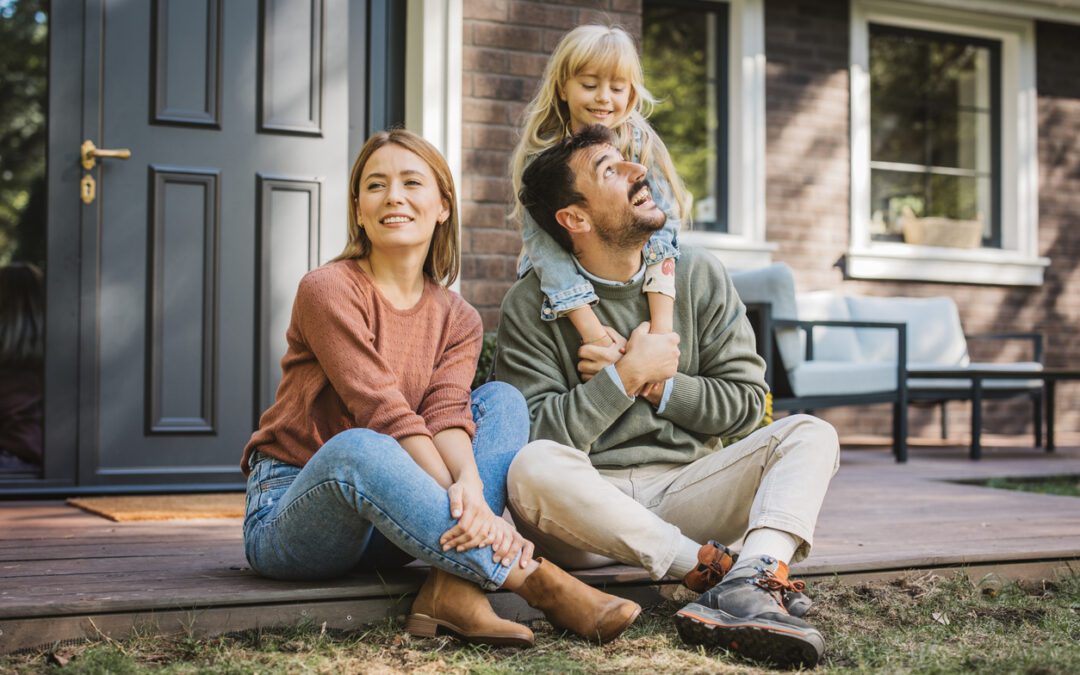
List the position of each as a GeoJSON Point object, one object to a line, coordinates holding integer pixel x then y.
{"type": "Point", "coordinates": [422, 625]}
{"type": "Point", "coordinates": [784, 646]}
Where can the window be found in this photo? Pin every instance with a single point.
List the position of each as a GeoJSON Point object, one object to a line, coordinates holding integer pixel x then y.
{"type": "Point", "coordinates": [684, 52]}
{"type": "Point", "coordinates": [934, 116]}
{"type": "Point", "coordinates": [944, 165]}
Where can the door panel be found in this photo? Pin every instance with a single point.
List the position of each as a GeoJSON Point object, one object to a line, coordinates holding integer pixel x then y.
{"type": "Point", "coordinates": [203, 234]}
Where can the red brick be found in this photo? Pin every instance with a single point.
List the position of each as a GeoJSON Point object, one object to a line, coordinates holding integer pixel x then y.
{"type": "Point", "coordinates": [488, 163]}
{"type": "Point", "coordinates": [507, 242]}
{"type": "Point", "coordinates": [491, 10]}
{"type": "Point", "coordinates": [479, 215]}
{"type": "Point", "coordinates": [507, 37]}
{"type": "Point", "coordinates": [474, 110]}
{"type": "Point", "coordinates": [544, 15]}
{"type": "Point", "coordinates": [483, 189]}
{"type": "Point", "coordinates": [501, 88]}
{"type": "Point", "coordinates": [492, 137]}
{"type": "Point", "coordinates": [529, 65]}
{"type": "Point", "coordinates": [478, 59]}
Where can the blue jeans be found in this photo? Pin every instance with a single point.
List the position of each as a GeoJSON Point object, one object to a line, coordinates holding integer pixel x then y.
{"type": "Point", "coordinates": [362, 503]}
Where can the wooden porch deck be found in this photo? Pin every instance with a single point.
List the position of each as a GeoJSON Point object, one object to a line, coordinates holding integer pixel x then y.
{"type": "Point", "coordinates": [68, 575]}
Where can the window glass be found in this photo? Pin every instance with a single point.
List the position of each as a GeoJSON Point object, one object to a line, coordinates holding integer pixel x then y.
{"type": "Point", "coordinates": [933, 138]}
{"type": "Point", "coordinates": [24, 33]}
{"type": "Point", "coordinates": [684, 52]}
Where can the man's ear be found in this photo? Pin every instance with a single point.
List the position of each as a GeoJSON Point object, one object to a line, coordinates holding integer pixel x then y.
{"type": "Point", "coordinates": [574, 219]}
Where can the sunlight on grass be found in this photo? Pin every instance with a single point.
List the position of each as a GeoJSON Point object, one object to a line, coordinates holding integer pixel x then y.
{"type": "Point", "coordinates": [921, 623]}
{"type": "Point", "coordinates": [1068, 486]}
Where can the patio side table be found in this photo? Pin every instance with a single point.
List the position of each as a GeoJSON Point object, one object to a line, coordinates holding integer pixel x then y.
{"type": "Point", "coordinates": [1049, 377]}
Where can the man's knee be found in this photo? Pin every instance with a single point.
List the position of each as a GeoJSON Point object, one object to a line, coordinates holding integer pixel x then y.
{"type": "Point", "coordinates": [536, 470]}
{"type": "Point", "coordinates": [816, 434]}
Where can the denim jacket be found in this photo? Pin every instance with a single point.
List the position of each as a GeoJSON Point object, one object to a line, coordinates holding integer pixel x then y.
{"type": "Point", "coordinates": [563, 286]}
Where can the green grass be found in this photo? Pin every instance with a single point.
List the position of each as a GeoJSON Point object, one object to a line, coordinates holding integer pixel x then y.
{"type": "Point", "coordinates": [1068, 486]}
{"type": "Point", "coordinates": [925, 624]}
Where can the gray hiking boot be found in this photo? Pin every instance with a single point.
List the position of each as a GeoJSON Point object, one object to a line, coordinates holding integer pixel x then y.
{"type": "Point", "coordinates": [797, 603]}
{"type": "Point", "coordinates": [745, 614]}
{"type": "Point", "coordinates": [714, 561]}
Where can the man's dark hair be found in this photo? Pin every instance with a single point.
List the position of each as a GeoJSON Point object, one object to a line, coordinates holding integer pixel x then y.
{"type": "Point", "coordinates": [547, 184]}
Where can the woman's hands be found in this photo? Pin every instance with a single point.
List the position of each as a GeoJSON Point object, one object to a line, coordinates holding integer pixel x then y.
{"type": "Point", "coordinates": [478, 526]}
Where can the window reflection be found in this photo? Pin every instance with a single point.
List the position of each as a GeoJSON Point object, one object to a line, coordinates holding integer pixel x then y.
{"type": "Point", "coordinates": [933, 122]}
{"type": "Point", "coordinates": [24, 40]}
{"type": "Point", "coordinates": [22, 350]}
{"type": "Point", "coordinates": [683, 51]}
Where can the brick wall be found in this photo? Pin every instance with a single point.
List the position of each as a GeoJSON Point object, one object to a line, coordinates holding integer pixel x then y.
{"type": "Point", "coordinates": [807, 164]}
{"type": "Point", "coordinates": [506, 45]}
{"type": "Point", "coordinates": [807, 194]}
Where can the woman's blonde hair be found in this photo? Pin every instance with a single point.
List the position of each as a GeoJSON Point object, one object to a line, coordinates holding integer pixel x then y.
{"type": "Point", "coordinates": [602, 50]}
{"type": "Point", "coordinates": [443, 260]}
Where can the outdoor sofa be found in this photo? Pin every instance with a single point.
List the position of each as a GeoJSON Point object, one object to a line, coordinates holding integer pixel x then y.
{"type": "Point", "coordinates": [829, 351]}
{"type": "Point", "coordinates": [805, 369]}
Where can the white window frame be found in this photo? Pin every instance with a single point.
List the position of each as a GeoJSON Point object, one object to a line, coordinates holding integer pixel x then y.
{"type": "Point", "coordinates": [743, 246]}
{"type": "Point", "coordinates": [433, 76]}
{"type": "Point", "coordinates": [1017, 262]}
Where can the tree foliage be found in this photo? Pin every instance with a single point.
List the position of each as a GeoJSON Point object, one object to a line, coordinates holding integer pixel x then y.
{"type": "Point", "coordinates": [23, 114]}
{"type": "Point", "coordinates": [676, 58]}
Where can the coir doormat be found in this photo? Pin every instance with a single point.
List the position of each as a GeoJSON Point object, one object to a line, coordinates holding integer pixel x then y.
{"type": "Point", "coordinates": [164, 507]}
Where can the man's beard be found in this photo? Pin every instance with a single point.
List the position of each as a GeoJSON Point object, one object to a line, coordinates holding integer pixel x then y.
{"type": "Point", "coordinates": [617, 233]}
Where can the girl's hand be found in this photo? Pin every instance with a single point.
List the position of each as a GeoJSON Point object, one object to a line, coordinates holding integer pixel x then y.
{"type": "Point", "coordinates": [476, 523]}
{"type": "Point", "coordinates": [597, 356]}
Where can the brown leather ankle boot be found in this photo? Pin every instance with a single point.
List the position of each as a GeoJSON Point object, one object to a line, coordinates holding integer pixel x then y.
{"type": "Point", "coordinates": [575, 606]}
{"type": "Point", "coordinates": [447, 603]}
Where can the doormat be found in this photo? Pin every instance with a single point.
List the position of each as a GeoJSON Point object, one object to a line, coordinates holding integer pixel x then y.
{"type": "Point", "coordinates": [164, 507]}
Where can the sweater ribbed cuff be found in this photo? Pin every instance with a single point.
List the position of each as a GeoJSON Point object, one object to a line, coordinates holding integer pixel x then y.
{"type": "Point", "coordinates": [444, 422]}
{"type": "Point", "coordinates": [409, 425]}
{"type": "Point", "coordinates": [607, 395]}
{"type": "Point", "coordinates": [685, 399]}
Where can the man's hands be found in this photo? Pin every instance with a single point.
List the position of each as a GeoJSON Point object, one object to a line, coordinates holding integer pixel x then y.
{"type": "Point", "coordinates": [649, 358]}
{"type": "Point", "coordinates": [478, 526]}
{"type": "Point", "coordinates": [644, 362]}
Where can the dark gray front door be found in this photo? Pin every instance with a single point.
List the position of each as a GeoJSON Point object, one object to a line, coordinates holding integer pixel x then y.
{"type": "Point", "coordinates": [236, 114]}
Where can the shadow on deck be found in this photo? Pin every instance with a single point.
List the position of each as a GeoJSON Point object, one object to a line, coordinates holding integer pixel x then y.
{"type": "Point", "coordinates": [68, 575]}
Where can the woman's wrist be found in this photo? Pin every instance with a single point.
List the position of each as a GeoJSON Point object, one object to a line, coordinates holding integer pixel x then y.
{"type": "Point", "coordinates": [469, 475]}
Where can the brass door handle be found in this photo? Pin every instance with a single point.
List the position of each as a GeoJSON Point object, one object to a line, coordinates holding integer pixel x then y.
{"type": "Point", "coordinates": [89, 152]}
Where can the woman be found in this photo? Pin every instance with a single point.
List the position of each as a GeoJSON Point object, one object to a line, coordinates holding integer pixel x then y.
{"type": "Point", "coordinates": [374, 453]}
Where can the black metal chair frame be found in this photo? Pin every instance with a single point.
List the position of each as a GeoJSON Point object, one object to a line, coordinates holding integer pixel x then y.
{"type": "Point", "coordinates": [784, 398]}
{"type": "Point", "coordinates": [931, 396]}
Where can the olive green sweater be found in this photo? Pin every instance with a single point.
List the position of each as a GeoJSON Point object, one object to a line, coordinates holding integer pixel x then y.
{"type": "Point", "coordinates": [719, 390]}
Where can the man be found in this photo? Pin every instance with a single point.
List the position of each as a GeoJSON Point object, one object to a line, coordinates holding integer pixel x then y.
{"type": "Point", "coordinates": [631, 466]}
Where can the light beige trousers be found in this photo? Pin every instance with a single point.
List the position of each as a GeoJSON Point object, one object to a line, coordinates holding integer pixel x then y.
{"type": "Point", "coordinates": [580, 516]}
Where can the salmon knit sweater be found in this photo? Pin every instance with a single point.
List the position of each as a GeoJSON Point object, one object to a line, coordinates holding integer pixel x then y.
{"type": "Point", "coordinates": [354, 361]}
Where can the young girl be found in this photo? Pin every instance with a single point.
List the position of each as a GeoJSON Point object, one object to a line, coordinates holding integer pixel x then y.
{"type": "Point", "coordinates": [595, 77]}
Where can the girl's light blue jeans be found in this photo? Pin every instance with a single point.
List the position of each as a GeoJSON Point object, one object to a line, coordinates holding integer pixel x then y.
{"type": "Point", "coordinates": [361, 503]}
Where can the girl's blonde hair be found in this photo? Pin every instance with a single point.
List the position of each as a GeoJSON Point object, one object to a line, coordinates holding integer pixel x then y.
{"type": "Point", "coordinates": [602, 50]}
{"type": "Point", "coordinates": [443, 260]}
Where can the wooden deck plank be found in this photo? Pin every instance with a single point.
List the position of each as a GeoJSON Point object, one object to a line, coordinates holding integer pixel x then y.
{"type": "Point", "coordinates": [60, 566]}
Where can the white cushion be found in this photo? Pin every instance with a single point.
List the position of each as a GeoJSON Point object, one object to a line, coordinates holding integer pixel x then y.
{"type": "Point", "coordinates": [774, 284]}
{"type": "Point", "coordinates": [827, 378]}
{"type": "Point", "coordinates": [961, 383]}
{"type": "Point", "coordinates": [934, 334]}
{"type": "Point", "coordinates": [830, 344]}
